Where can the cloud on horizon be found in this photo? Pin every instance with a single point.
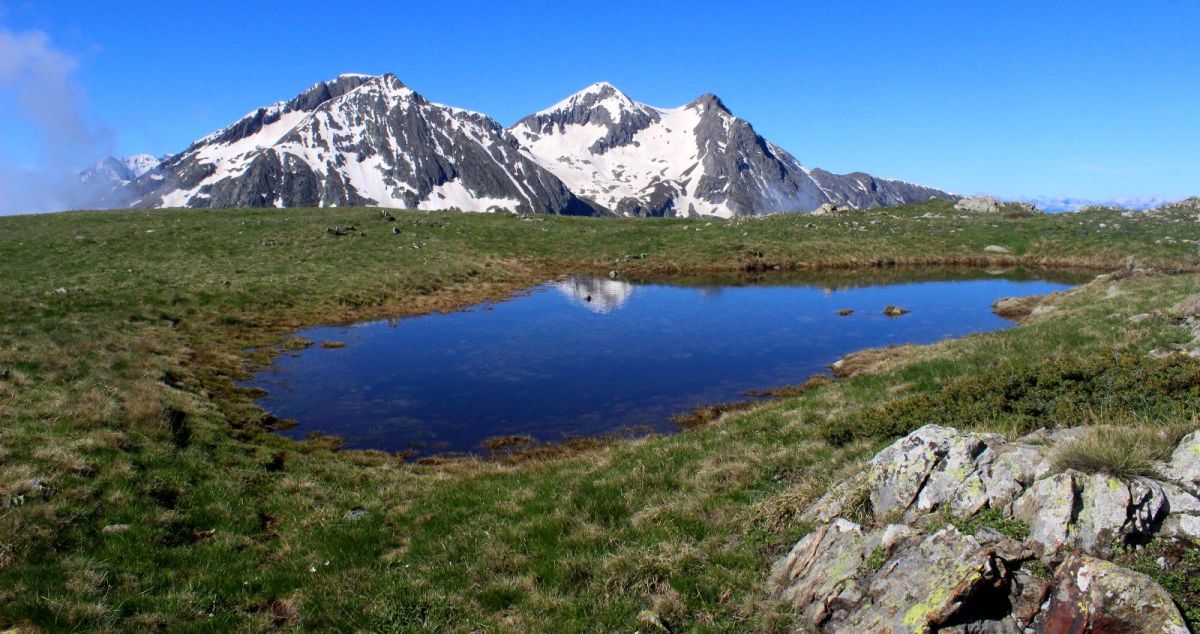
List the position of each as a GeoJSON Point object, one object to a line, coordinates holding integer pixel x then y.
{"type": "Point", "coordinates": [39, 77]}
{"type": "Point", "coordinates": [1063, 203]}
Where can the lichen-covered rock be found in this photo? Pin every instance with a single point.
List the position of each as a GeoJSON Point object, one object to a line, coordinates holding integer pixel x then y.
{"type": "Point", "coordinates": [1116, 510]}
{"type": "Point", "coordinates": [1185, 462]}
{"type": "Point", "coordinates": [1099, 597]}
{"type": "Point", "coordinates": [1090, 512]}
{"type": "Point", "coordinates": [921, 577]}
{"type": "Point", "coordinates": [1048, 507]}
{"type": "Point", "coordinates": [922, 585]}
{"type": "Point", "coordinates": [824, 573]}
{"type": "Point", "coordinates": [1183, 521]}
{"type": "Point", "coordinates": [845, 578]}
{"type": "Point", "coordinates": [938, 467]}
{"type": "Point", "coordinates": [935, 582]}
{"type": "Point", "coordinates": [1049, 437]}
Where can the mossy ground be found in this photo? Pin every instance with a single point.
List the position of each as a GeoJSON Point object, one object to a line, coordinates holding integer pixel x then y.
{"type": "Point", "coordinates": [121, 335]}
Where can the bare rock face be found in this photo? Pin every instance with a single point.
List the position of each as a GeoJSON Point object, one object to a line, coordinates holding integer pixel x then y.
{"type": "Point", "coordinates": [906, 570]}
{"type": "Point", "coordinates": [1099, 597]}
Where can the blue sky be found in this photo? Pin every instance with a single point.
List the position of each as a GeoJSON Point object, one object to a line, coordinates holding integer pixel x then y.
{"type": "Point", "coordinates": [1084, 99]}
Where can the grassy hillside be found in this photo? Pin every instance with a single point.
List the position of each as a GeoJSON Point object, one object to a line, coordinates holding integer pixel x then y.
{"type": "Point", "coordinates": [139, 488]}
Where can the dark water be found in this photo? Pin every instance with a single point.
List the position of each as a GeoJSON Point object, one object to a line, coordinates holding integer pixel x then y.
{"type": "Point", "coordinates": [550, 363]}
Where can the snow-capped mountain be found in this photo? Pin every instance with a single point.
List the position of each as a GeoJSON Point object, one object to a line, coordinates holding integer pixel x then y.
{"type": "Point", "coordinates": [106, 183]}
{"type": "Point", "coordinates": [120, 169]}
{"type": "Point", "coordinates": [371, 140]}
{"type": "Point", "coordinates": [358, 140]}
{"type": "Point", "coordinates": [698, 159]}
{"type": "Point", "coordinates": [597, 294]}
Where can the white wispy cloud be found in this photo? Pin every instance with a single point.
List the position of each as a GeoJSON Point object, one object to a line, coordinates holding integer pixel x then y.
{"type": "Point", "coordinates": [39, 78]}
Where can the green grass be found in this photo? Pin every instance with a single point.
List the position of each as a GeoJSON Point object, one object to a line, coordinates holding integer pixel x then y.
{"type": "Point", "coordinates": [991, 518]}
{"type": "Point", "coordinates": [117, 397]}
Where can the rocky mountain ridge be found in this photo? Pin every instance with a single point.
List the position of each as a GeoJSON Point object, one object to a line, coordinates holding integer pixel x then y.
{"type": "Point", "coordinates": [371, 140]}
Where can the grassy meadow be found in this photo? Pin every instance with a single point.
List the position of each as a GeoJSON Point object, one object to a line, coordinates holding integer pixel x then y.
{"type": "Point", "coordinates": [141, 489]}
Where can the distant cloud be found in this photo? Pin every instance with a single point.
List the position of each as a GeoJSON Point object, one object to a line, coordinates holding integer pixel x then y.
{"type": "Point", "coordinates": [1053, 204]}
{"type": "Point", "coordinates": [39, 77]}
{"type": "Point", "coordinates": [1129, 169]}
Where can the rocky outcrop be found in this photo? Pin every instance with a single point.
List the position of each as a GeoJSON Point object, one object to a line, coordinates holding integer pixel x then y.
{"type": "Point", "coordinates": [938, 468]}
{"type": "Point", "coordinates": [990, 205]}
{"type": "Point", "coordinates": [978, 205]}
{"type": "Point", "coordinates": [903, 569]}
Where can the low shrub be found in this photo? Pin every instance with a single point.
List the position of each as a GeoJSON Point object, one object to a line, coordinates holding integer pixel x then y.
{"type": "Point", "coordinates": [1059, 392]}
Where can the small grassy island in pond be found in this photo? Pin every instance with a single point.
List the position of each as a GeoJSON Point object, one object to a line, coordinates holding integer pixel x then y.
{"type": "Point", "coordinates": [143, 488]}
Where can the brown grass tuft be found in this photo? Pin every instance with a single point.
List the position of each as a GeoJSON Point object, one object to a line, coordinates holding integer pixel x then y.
{"type": "Point", "coordinates": [869, 361]}
{"type": "Point", "coordinates": [787, 391]}
{"type": "Point", "coordinates": [708, 413]}
{"type": "Point", "coordinates": [1121, 452]}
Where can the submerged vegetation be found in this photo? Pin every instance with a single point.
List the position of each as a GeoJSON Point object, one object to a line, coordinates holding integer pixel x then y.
{"type": "Point", "coordinates": [143, 489]}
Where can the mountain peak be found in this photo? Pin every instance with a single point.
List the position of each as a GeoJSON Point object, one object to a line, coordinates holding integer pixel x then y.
{"type": "Point", "coordinates": [709, 101]}
{"type": "Point", "coordinates": [600, 88]}
{"type": "Point", "coordinates": [598, 95]}
{"type": "Point", "coordinates": [391, 80]}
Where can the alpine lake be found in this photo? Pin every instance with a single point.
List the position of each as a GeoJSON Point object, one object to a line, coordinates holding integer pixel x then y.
{"type": "Point", "coordinates": [592, 356]}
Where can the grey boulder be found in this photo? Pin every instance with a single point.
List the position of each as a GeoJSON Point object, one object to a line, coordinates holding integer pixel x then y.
{"type": "Point", "coordinates": [978, 205]}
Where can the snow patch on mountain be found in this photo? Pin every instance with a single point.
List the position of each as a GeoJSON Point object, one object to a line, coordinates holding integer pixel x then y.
{"type": "Point", "coordinates": [664, 153]}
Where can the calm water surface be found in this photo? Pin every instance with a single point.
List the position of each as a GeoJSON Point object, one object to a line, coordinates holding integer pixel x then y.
{"type": "Point", "coordinates": [589, 356]}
